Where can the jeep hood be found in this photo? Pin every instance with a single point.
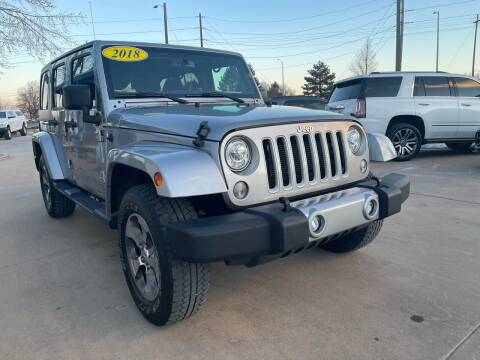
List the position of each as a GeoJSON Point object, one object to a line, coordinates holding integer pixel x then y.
{"type": "Point", "coordinates": [184, 120]}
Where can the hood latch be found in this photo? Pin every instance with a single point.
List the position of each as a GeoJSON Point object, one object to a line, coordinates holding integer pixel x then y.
{"type": "Point", "coordinates": [202, 133]}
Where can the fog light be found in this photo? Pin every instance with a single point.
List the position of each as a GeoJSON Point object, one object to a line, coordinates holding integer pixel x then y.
{"type": "Point", "coordinates": [363, 166]}
{"type": "Point", "coordinates": [370, 209]}
{"type": "Point", "coordinates": [317, 224]}
{"type": "Point", "coordinates": [240, 190]}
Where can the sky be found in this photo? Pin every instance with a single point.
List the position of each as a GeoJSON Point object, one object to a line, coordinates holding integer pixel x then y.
{"type": "Point", "coordinates": [299, 33]}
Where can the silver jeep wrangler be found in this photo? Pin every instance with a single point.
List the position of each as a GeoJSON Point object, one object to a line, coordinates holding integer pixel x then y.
{"type": "Point", "coordinates": [175, 147]}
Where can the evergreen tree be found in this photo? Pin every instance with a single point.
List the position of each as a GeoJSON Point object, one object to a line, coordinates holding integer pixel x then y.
{"type": "Point", "coordinates": [274, 90]}
{"type": "Point", "coordinates": [319, 81]}
{"type": "Point", "coordinates": [230, 81]}
{"type": "Point", "coordinates": [250, 66]}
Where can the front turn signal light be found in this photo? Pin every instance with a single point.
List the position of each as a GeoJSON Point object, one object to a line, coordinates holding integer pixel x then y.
{"type": "Point", "coordinates": [158, 179]}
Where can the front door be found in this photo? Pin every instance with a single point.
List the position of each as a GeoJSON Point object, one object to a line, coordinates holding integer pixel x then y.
{"type": "Point", "coordinates": [436, 104]}
{"type": "Point", "coordinates": [468, 92]}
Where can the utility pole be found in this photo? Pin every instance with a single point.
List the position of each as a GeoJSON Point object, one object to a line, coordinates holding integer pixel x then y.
{"type": "Point", "coordinates": [399, 39]}
{"type": "Point", "coordinates": [474, 46]}
{"type": "Point", "coordinates": [165, 25]}
{"type": "Point", "coordinates": [283, 78]}
{"type": "Point", "coordinates": [91, 18]}
{"type": "Point", "coordinates": [438, 36]}
{"type": "Point", "coordinates": [201, 29]}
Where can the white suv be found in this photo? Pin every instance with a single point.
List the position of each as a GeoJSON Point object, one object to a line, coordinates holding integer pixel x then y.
{"type": "Point", "coordinates": [413, 108]}
{"type": "Point", "coordinates": [12, 121]}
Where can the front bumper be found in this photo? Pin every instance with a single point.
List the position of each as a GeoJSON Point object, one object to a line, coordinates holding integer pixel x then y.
{"type": "Point", "coordinates": [270, 231]}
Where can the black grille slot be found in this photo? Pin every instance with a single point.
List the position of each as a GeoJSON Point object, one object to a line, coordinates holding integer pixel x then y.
{"type": "Point", "coordinates": [331, 154]}
{"type": "Point", "coordinates": [297, 162]}
{"type": "Point", "coordinates": [341, 150]}
{"type": "Point", "coordinates": [321, 155]}
{"type": "Point", "coordinates": [282, 154]}
{"type": "Point", "coordinates": [308, 154]}
{"type": "Point", "coordinates": [270, 162]}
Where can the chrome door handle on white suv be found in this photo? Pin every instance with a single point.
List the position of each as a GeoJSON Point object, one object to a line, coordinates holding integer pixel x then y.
{"type": "Point", "coordinates": [338, 108]}
{"type": "Point", "coordinates": [423, 104]}
{"type": "Point", "coordinates": [463, 104]}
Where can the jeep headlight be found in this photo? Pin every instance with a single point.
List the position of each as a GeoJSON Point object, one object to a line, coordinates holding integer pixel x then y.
{"type": "Point", "coordinates": [355, 139]}
{"type": "Point", "coordinates": [238, 154]}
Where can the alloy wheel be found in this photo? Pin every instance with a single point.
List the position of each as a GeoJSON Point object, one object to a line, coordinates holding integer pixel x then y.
{"type": "Point", "coordinates": [46, 189]}
{"type": "Point", "coordinates": [142, 257]}
{"type": "Point", "coordinates": [405, 142]}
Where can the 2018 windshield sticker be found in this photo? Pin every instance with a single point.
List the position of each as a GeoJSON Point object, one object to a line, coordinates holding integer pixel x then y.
{"type": "Point", "coordinates": [124, 53]}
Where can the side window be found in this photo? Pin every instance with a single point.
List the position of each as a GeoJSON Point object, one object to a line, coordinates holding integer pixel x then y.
{"type": "Point", "coordinates": [436, 86]}
{"type": "Point", "coordinates": [19, 113]}
{"type": "Point", "coordinates": [82, 73]}
{"type": "Point", "coordinates": [11, 114]}
{"type": "Point", "coordinates": [467, 87]}
{"type": "Point", "coordinates": [382, 86]}
{"type": "Point", "coordinates": [44, 91]}
{"type": "Point", "coordinates": [59, 74]}
{"type": "Point", "coordinates": [419, 89]}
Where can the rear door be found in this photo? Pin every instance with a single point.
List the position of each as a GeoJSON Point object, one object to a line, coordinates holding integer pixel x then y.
{"type": "Point", "coordinates": [344, 96]}
{"type": "Point", "coordinates": [468, 95]}
{"type": "Point", "coordinates": [436, 104]}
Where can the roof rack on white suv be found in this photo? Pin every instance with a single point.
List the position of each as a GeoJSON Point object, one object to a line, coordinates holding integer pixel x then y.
{"type": "Point", "coordinates": [413, 108]}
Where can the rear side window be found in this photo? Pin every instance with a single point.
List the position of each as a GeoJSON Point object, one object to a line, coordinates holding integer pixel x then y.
{"type": "Point", "coordinates": [19, 113]}
{"type": "Point", "coordinates": [59, 74]}
{"type": "Point", "coordinates": [467, 87]}
{"type": "Point", "coordinates": [431, 86]}
{"type": "Point", "coordinates": [346, 90]}
{"type": "Point", "coordinates": [3, 114]}
{"type": "Point", "coordinates": [44, 91]}
{"type": "Point", "coordinates": [382, 86]}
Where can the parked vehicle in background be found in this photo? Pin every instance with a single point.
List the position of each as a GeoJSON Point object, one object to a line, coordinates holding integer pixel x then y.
{"type": "Point", "coordinates": [12, 121]}
{"type": "Point", "coordinates": [413, 108]}
{"type": "Point", "coordinates": [189, 164]}
{"type": "Point", "coordinates": [309, 102]}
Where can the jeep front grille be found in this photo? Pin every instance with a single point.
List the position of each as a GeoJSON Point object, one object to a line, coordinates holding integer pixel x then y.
{"type": "Point", "coordinates": [299, 160]}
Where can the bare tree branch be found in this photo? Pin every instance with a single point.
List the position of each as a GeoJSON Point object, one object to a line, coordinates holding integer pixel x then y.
{"type": "Point", "coordinates": [365, 60]}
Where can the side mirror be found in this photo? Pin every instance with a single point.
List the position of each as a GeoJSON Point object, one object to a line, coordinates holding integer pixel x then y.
{"type": "Point", "coordinates": [76, 97]}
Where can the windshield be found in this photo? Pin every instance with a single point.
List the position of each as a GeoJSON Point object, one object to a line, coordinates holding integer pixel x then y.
{"type": "Point", "coordinates": [179, 73]}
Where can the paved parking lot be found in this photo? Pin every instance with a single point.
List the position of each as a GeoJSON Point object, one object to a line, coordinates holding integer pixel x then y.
{"type": "Point", "coordinates": [412, 294]}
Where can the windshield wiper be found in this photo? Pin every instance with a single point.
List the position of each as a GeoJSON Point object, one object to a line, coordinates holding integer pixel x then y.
{"type": "Point", "coordinates": [217, 94]}
{"type": "Point", "coordinates": [154, 94]}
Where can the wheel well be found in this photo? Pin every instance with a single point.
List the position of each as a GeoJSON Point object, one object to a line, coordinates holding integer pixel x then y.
{"type": "Point", "coordinates": [414, 120]}
{"type": "Point", "coordinates": [123, 178]}
{"type": "Point", "coordinates": [37, 152]}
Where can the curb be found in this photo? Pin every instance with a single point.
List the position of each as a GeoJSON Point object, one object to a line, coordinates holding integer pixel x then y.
{"type": "Point", "coordinates": [3, 156]}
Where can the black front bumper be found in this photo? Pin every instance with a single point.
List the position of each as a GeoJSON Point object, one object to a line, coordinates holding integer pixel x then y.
{"type": "Point", "coordinates": [261, 233]}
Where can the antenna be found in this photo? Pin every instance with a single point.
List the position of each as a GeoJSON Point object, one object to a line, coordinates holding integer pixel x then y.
{"type": "Point", "coordinates": [91, 18]}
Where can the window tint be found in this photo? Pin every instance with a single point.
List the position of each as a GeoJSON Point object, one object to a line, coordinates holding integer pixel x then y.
{"type": "Point", "coordinates": [58, 83]}
{"type": "Point", "coordinates": [467, 87]}
{"type": "Point", "coordinates": [82, 73]}
{"type": "Point", "coordinates": [3, 114]}
{"type": "Point", "coordinates": [45, 88]}
{"type": "Point", "coordinates": [382, 86]}
{"type": "Point", "coordinates": [435, 85]}
{"type": "Point", "coordinates": [346, 90]}
{"type": "Point", "coordinates": [419, 88]}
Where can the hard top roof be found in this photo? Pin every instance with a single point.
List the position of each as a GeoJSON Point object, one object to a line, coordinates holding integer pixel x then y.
{"type": "Point", "coordinates": [400, 73]}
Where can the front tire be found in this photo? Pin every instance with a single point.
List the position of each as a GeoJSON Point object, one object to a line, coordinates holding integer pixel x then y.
{"type": "Point", "coordinates": [462, 147]}
{"type": "Point", "coordinates": [8, 133]}
{"type": "Point", "coordinates": [406, 139]}
{"type": "Point", "coordinates": [356, 239]}
{"type": "Point", "coordinates": [23, 130]}
{"type": "Point", "coordinates": [57, 205]}
{"type": "Point", "coordinates": [165, 289]}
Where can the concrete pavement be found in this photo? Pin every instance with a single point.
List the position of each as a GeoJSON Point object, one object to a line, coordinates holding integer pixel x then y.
{"type": "Point", "coordinates": [412, 294]}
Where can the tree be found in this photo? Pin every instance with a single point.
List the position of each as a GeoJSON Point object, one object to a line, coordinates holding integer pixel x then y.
{"type": "Point", "coordinates": [230, 81]}
{"type": "Point", "coordinates": [365, 60]}
{"type": "Point", "coordinates": [28, 99]}
{"type": "Point", "coordinates": [319, 81]}
{"type": "Point", "coordinates": [250, 66]}
{"type": "Point", "coordinates": [274, 90]}
{"type": "Point", "coordinates": [32, 26]}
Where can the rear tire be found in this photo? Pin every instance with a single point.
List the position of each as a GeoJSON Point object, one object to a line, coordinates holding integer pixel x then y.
{"type": "Point", "coordinates": [57, 205]}
{"type": "Point", "coordinates": [406, 139]}
{"type": "Point", "coordinates": [165, 289]}
{"type": "Point", "coordinates": [355, 240]}
{"type": "Point", "coordinates": [8, 133]}
{"type": "Point", "coordinates": [23, 130]}
{"type": "Point", "coordinates": [465, 147]}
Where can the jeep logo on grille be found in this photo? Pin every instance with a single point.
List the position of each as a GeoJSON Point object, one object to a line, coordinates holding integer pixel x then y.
{"type": "Point", "coordinates": [305, 128]}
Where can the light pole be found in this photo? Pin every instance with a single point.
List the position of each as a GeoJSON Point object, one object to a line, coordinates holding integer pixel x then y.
{"type": "Point", "coordinates": [165, 26]}
{"type": "Point", "coordinates": [283, 78]}
{"type": "Point", "coordinates": [438, 36]}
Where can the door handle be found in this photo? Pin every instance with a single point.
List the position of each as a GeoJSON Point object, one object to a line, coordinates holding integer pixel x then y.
{"type": "Point", "coordinates": [339, 107]}
{"type": "Point", "coordinates": [463, 104]}
{"type": "Point", "coordinates": [423, 104]}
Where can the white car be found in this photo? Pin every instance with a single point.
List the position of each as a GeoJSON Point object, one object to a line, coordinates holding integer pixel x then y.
{"type": "Point", "coordinates": [12, 121]}
{"type": "Point", "coordinates": [413, 108]}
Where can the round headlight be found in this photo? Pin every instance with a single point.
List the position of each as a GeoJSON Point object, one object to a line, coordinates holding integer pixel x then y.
{"type": "Point", "coordinates": [354, 138]}
{"type": "Point", "coordinates": [237, 154]}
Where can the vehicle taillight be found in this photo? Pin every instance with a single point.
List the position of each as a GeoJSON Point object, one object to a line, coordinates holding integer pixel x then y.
{"type": "Point", "coordinates": [361, 109]}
